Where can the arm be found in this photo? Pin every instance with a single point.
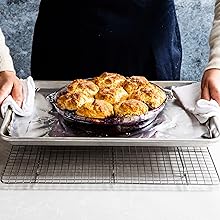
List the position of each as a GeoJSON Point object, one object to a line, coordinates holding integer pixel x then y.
{"type": "Point", "coordinates": [9, 82]}
{"type": "Point", "coordinates": [211, 77]}
{"type": "Point", "coordinates": [6, 63]}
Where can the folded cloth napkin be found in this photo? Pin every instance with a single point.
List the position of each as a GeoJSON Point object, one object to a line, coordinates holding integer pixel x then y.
{"type": "Point", "coordinates": [27, 108]}
{"type": "Point", "coordinates": [189, 96]}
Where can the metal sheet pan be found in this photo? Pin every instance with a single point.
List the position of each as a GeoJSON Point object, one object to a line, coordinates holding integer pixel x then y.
{"type": "Point", "coordinates": [49, 86]}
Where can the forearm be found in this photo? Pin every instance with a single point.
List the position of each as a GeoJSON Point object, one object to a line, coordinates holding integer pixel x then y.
{"type": "Point", "coordinates": [6, 62]}
{"type": "Point", "coordinates": [214, 40]}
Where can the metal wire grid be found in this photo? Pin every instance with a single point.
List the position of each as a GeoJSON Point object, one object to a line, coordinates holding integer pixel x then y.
{"type": "Point", "coordinates": [114, 165]}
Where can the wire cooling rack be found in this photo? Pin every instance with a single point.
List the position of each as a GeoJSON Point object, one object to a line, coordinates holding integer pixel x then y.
{"type": "Point", "coordinates": [110, 165]}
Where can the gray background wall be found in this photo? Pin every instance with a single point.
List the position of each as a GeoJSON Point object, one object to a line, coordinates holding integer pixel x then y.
{"type": "Point", "coordinates": [17, 18]}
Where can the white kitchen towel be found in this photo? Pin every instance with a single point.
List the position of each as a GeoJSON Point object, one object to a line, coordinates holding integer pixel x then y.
{"type": "Point", "coordinates": [190, 98]}
{"type": "Point", "coordinates": [28, 86]}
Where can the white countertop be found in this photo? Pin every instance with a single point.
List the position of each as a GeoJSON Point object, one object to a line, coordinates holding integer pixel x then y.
{"type": "Point", "coordinates": [109, 205]}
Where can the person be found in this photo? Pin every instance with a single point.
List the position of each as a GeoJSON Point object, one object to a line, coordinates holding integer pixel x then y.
{"type": "Point", "coordinates": [9, 82]}
{"type": "Point", "coordinates": [210, 85]}
{"type": "Point", "coordinates": [133, 37]}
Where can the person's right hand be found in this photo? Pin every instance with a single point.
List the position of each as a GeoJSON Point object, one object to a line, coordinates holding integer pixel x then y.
{"type": "Point", "coordinates": [10, 85]}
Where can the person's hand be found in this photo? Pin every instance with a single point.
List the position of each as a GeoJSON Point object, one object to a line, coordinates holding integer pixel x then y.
{"type": "Point", "coordinates": [211, 85]}
{"type": "Point", "coordinates": [10, 85]}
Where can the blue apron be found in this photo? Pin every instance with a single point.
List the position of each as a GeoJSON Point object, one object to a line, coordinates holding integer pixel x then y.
{"type": "Point", "coordinates": [131, 37]}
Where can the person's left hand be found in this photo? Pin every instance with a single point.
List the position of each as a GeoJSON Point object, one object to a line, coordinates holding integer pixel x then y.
{"type": "Point", "coordinates": [210, 86]}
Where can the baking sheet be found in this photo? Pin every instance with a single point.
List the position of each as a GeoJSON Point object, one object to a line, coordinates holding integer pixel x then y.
{"type": "Point", "coordinates": [172, 127]}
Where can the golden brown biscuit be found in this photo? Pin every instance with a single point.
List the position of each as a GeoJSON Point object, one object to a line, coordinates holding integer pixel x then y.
{"type": "Point", "coordinates": [112, 95]}
{"type": "Point", "coordinates": [87, 87]}
{"type": "Point", "coordinates": [134, 83]}
{"type": "Point", "coordinates": [109, 80]}
{"type": "Point", "coordinates": [95, 98]}
{"type": "Point", "coordinates": [73, 101]}
{"type": "Point", "coordinates": [130, 107]}
{"type": "Point", "coordinates": [152, 95]}
{"type": "Point", "coordinates": [99, 109]}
